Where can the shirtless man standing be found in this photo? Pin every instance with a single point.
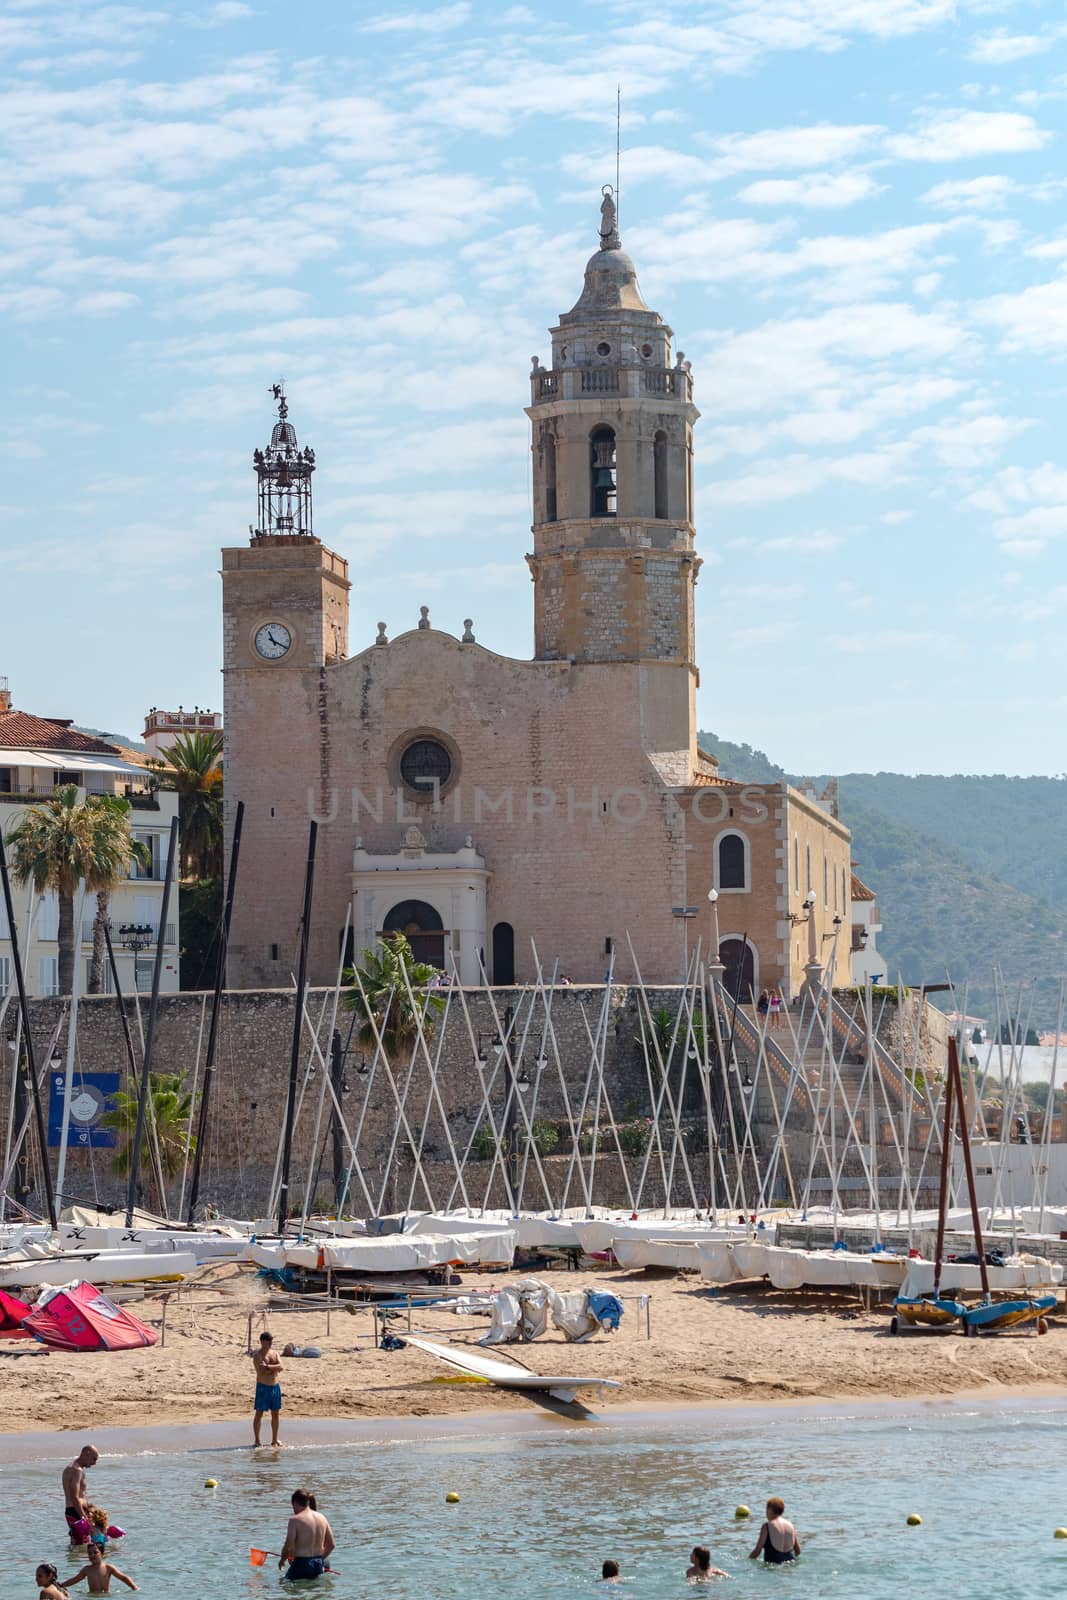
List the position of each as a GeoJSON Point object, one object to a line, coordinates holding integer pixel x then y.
{"type": "Point", "coordinates": [308, 1539]}
{"type": "Point", "coordinates": [100, 1572]}
{"type": "Point", "coordinates": [75, 1499]}
{"type": "Point", "coordinates": [268, 1390]}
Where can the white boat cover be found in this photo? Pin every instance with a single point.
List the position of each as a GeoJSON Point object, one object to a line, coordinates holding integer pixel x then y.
{"type": "Point", "coordinates": [718, 1264]}
{"type": "Point", "coordinates": [401, 1252]}
{"type": "Point", "coordinates": [681, 1254]}
{"type": "Point", "coordinates": [95, 1266]}
{"type": "Point", "coordinates": [1019, 1272]}
{"type": "Point", "coordinates": [522, 1310]}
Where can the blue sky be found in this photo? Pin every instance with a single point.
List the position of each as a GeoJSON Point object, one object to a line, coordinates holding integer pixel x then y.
{"type": "Point", "coordinates": [850, 211]}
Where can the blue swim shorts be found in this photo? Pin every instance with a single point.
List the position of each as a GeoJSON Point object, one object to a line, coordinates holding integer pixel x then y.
{"type": "Point", "coordinates": [268, 1397]}
{"type": "Point", "coordinates": [307, 1567]}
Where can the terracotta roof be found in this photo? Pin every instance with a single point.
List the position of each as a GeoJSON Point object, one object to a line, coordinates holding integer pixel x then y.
{"type": "Point", "coordinates": [709, 780]}
{"type": "Point", "coordinates": [136, 758]}
{"type": "Point", "coordinates": [860, 890]}
{"type": "Point", "coordinates": [20, 730]}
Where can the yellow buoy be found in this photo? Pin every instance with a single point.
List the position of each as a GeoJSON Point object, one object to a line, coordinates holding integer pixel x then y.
{"type": "Point", "coordinates": [451, 1498]}
{"type": "Point", "coordinates": [211, 1483]}
{"type": "Point", "coordinates": [914, 1520]}
{"type": "Point", "coordinates": [1061, 1533]}
{"type": "Point", "coordinates": [741, 1513]}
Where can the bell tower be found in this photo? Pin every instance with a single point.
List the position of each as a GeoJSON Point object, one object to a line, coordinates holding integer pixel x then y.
{"type": "Point", "coordinates": [284, 594]}
{"type": "Point", "coordinates": [612, 421]}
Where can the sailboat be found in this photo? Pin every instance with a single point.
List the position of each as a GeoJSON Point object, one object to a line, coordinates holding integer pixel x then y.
{"type": "Point", "coordinates": [936, 1310]}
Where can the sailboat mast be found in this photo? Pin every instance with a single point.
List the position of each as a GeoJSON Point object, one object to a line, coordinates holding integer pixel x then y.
{"type": "Point", "coordinates": [965, 1140]}
{"type": "Point", "coordinates": [298, 1023]}
{"type": "Point", "coordinates": [942, 1188]}
{"type": "Point", "coordinates": [27, 1033]}
{"type": "Point", "coordinates": [216, 1001]}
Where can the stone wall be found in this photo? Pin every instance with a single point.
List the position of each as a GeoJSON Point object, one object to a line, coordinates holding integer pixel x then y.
{"type": "Point", "coordinates": [251, 1076]}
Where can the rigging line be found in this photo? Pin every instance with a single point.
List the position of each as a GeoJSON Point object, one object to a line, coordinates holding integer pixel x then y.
{"type": "Point", "coordinates": [192, 1104]}
{"type": "Point", "coordinates": [551, 1032]}
{"type": "Point", "coordinates": [312, 1177]}
{"type": "Point", "coordinates": [541, 1063]}
{"type": "Point", "coordinates": [618, 146]}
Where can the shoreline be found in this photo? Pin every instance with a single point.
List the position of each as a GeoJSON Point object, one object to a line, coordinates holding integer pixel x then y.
{"type": "Point", "coordinates": [750, 1347]}
{"type": "Point", "coordinates": [225, 1436]}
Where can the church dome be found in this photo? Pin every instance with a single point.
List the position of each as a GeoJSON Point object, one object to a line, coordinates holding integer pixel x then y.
{"type": "Point", "coordinates": [610, 275]}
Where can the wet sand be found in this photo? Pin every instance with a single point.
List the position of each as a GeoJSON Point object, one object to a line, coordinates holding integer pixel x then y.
{"type": "Point", "coordinates": [751, 1345]}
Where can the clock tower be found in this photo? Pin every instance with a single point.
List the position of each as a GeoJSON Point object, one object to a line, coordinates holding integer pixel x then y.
{"type": "Point", "coordinates": [284, 595]}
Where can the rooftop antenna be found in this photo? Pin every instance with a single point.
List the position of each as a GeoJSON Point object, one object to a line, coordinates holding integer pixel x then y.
{"type": "Point", "coordinates": [618, 141]}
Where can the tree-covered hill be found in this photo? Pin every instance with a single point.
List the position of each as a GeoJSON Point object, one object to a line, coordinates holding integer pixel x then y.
{"type": "Point", "coordinates": [970, 872]}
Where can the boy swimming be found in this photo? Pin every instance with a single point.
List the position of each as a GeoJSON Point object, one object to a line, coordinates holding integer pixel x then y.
{"type": "Point", "coordinates": [99, 1573]}
{"type": "Point", "coordinates": [701, 1570]}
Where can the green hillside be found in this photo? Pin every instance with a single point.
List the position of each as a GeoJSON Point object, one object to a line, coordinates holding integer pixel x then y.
{"type": "Point", "coordinates": [970, 873]}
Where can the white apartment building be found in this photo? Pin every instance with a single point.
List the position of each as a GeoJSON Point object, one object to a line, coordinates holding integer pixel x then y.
{"type": "Point", "coordinates": [163, 728]}
{"type": "Point", "coordinates": [37, 756]}
{"type": "Point", "coordinates": [868, 962]}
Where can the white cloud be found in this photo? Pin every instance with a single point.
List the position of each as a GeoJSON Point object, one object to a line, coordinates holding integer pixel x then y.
{"type": "Point", "coordinates": [970, 194]}
{"type": "Point", "coordinates": [104, 303]}
{"type": "Point", "coordinates": [440, 19]}
{"type": "Point", "coordinates": [803, 544]}
{"type": "Point", "coordinates": [897, 641]}
{"type": "Point", "coordinates": [893, 519]}
{"type": "Point", "coordinates": [968, 442]}
{"type": "Point", "coordinates": [829, 189]}
{"type": "Point", "coordinates": [817, 145]}
{"type": "Point", "coordinates": [1001, 47]}
{"type": "Point", "coordinates": [1032, 319]}
{"type": "Point", "coordinates": [1029, 506]}
{"type": "Point", "coordinates": [963, 135]}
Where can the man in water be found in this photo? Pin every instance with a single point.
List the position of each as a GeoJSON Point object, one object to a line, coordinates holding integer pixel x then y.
{"type": "Point", "coordinates": [308, 1539]}
{"type": "Point", "coordinates": [75, 1497]}
{"type": "Point", "coordinates": [777, 1540]}
{"type": "Point", "coordinates": [268, 1390]}
{"type": "Point", "coordinates": [99, 1573]}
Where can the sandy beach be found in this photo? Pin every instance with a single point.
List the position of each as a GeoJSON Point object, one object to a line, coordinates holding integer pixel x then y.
{"type": "Point", "coordinates": [752, 1345]}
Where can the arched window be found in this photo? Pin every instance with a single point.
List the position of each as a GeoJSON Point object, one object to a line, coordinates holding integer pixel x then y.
{"type": "Point", "coordinates": [659, 469]}
{"type": "Point", "coordinates": [835, 890]}
{"type": "Point", "coordinates": [796, 863]}
{"type": "Point", "coordinates": [422, 927]}
{"type": "Point", "coordinates": [825, 880]}
{"type": "Point", "coordinates": [807, 849]}
{"type": "Point", "coordinates": [548, 453]}
{"type": "Point", "coordinates": [740, 968]}
{"type": "Point", "coordinates": [731, 861]}
{"type": "Point", "coordinates": [602, 481]}
{"type": "Point", "coordinates": [689, 480]}
{"type": "Point", "coordinates": [844, 889]}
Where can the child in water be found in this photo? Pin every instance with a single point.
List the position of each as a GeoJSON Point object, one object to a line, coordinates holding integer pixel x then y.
{"type": "Point", "coordinates": [47, 1579]}
{"type": "Point", "coordinates": [101, 1527]}
{"type": "Point", "coordinates": [99, 1573]}
{"type": "Point", "coordinates": [702, 1570]}
{"type": "Point", "coordinates": [609, 1572]}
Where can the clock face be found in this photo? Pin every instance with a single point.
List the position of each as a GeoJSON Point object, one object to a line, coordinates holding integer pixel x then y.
{"type": "Point", "coordinates": [273, 641]}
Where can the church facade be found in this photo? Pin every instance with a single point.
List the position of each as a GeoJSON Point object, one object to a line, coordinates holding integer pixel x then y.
{"type": "Point", "coordinates": [502, 812]}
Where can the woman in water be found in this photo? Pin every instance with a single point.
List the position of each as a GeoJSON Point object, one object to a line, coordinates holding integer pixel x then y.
{"type": "Point", "coordinates": [701, 1570]}
{"type": "Point", "coordinates": [49, 1584]}
{"type": "Point", "coordinates": [777, 1540]}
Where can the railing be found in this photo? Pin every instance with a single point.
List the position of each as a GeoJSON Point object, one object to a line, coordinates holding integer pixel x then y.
{"type": "Point", "coordinates": [600, 380]}
{"type": "Point", "coordinates": [674, 381]}
{"type": "Point", "coordinates": [143, 800]}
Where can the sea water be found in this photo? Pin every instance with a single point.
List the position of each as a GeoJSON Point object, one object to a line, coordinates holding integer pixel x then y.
{"type": "Point", "coordinates": [541, 1507]}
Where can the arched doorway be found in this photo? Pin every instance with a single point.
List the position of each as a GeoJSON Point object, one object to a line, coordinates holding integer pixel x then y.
{"type": "Point", "coordinates": [503, 953]}
{"type": "Point", "coordinates": [739, 974]}
{"type": "Point", "coordinates": [423, 929]}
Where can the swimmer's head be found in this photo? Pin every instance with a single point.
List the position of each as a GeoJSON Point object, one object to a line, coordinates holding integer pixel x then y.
{"type": "Point", "coordinates": [303, 1500]}
{"type": "Point", "coordinates": [266, 1339]}
{"type": "Point", "coordinates": [95, 1552]}
{"type": "Point", "coordinates": [46, 1574]}
{"type": "Point", "coordinates": [701, 1557]}
{"type": "Point", "coordinates": [775, 1507]}
{"type": "Point", "coordinates": [610, 1569]}
{"type": "Point", "coordinates": [88, 1456]}
{"type": "Point", "coordinates": [99, 1518]}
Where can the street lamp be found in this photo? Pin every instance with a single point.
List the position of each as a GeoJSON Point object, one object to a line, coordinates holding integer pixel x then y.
{"type": "Point", "coordinates": [135, 936]}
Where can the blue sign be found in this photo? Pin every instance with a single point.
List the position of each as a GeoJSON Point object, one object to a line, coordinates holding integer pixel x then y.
{"type": "Point", "coordinates": [92, 1096]}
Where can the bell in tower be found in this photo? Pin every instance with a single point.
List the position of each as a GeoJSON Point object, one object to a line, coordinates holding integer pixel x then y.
{"type": "Point", "coordinates": [283, 472]}
{"type": "Point", "coordinates": [612, 437]}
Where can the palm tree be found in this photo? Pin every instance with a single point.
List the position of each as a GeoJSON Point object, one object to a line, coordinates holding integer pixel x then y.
{"type": "Point", "coordinates": [192, 769]}
{"type": "Point", "coordinates": [168, 1117]}
{"type": "Point", "coordinates": [67, 841]}
{"type": "Point", "coordinates": [387, 1007]}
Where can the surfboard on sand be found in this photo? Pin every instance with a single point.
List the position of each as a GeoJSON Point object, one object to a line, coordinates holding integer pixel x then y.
{"type": "Point", "coordinates": [506, 1376]}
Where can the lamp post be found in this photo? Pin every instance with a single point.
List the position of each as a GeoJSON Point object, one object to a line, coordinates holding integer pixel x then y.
{"type": "Point", "coordinates": [813, 965]}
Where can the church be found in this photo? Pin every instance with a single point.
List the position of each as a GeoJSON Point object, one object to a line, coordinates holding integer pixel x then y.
{"type": "Point", "coordinates": [502, 812]}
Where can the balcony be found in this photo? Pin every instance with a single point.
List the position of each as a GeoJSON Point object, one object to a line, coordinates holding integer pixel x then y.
{"type": "Point", "coordinates": [568, 383]}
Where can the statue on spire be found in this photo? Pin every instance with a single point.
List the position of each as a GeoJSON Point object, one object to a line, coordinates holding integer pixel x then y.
{"type": "Point", "coordinates": [609, 220]}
